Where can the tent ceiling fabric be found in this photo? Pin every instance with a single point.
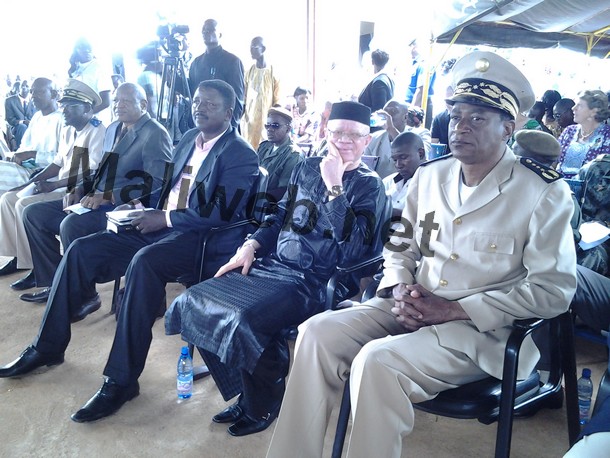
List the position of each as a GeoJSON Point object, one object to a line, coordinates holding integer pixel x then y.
{"type": "Point", "coordinates": [580, 25]}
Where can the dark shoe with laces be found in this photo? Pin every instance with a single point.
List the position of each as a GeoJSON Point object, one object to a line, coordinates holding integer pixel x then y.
{"type": "Point", "coordinates": [230, 415]}
{"type": "Point", "coordinates": [28, 361]}
{"type": "Point", "coordinates": [27, 282]}
{"type": "Point", "coordinates": [109, 398]}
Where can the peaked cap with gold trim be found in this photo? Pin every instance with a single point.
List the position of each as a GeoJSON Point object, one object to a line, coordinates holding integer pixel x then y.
{"type": "Point", "coordinates": [484, 78]}
{"type": "Point", "coordinates": [79, 91]}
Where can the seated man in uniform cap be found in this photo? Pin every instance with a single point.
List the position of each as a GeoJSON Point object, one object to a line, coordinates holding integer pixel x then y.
{"type": "Point", "coordinates": [80, 152]}
{"type": "Point", "coordinates": [331, 214]}
{"type": "Point", "coordinates": [136, 149]}
{"type": "Point", "coordinates": [279, 154]}
{"type": "Point", "coordinates": [490, 242]}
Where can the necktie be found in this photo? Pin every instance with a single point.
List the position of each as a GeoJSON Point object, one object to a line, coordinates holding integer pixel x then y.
{"type": "Point", "coordinates": [122, 133]}
{"type": "Point", "coordinates": [25, 107]}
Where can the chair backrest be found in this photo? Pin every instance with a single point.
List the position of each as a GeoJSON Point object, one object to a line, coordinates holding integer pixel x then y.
{"type": "Point", "coordinates": [260, 202]}
{"type": "Point", "coordinates": [370, 161]}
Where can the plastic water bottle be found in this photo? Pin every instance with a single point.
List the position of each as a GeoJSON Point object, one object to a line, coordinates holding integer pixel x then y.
{"type": "Point", "coordinates": [184, 381]}
{"type": "Point", "coordinates": [585, 391]}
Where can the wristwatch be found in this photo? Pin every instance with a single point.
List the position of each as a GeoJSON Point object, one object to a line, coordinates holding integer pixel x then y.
{"type": "Point", "coordinates": [336, 190]}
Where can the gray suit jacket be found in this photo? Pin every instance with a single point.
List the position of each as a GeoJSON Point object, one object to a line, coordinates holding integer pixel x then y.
{"type": "Point", "coordinates": [134, 167]}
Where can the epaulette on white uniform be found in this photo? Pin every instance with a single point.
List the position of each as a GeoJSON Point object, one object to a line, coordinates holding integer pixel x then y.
{"type": "Point", "coordinates": [547, 174]}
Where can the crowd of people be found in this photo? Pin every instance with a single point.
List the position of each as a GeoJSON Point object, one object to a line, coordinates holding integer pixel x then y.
{"type": "Point", "coordinates": [457, 272]}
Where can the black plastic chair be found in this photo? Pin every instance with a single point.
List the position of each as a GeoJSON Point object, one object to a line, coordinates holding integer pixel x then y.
{"type": "Point", "coordinates": [490, 399]}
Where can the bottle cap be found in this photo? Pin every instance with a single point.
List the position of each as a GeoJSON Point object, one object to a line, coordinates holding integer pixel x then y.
{"type": "Point", "coordinates": [185, 351]}
{"type": "Point", "coordinates": [586, 372]}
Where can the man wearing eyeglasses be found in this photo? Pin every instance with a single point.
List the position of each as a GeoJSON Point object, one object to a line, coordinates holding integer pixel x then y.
{"type": "Point", "coordinates": [279, 154]}
{"type": "Point", "coordinates": [331, 215]}
{"type": "Point", "coordinates": [489, 242]}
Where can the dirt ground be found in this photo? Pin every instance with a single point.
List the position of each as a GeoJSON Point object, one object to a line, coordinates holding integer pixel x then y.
{"type": "Point", "coordinates": [35, 410]}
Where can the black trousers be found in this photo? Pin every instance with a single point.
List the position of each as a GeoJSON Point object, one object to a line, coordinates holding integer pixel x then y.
{"type": "Point", "coordinates": [263, 390]}
{"type": "Point", "coordinates": [148, 262]}
{"type": "Point", "coordinates": [43, 221]}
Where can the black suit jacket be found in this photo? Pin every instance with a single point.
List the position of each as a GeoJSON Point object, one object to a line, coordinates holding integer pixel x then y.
{"type": "Point", "coordinates": [378, 92]}
{"type": "Point", "coordinates": [14, 111]}
{"type": "Point", "coordinates": [224, 185]}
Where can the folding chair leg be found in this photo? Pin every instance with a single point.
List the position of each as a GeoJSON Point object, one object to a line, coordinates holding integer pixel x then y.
{"type": "Point", "coordinates": [568, 365]}
{"type": "Point", "coordinates": [342, 423]}
{"type": "Point", "coordinates": [115, 291]}
{"type": "Point", "coordinates": [200, 371]}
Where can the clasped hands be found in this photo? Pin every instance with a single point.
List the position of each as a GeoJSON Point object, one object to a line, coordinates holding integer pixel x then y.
{"type": "Point", "coordinates": [416, 307]}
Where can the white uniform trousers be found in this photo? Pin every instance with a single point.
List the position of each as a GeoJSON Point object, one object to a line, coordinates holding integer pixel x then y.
{"type": "Point", "coordinates": [388, 371]}
{"type": "Point", "coordinates": [13, 239]}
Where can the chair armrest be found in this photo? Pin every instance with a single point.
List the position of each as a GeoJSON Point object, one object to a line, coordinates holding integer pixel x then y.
{"type": "Point", "coordinates": [209, 235]}
{"type": "Point", "coordinates": [354, 267]}
{"type": "Point", "coordinates": [331, 286]}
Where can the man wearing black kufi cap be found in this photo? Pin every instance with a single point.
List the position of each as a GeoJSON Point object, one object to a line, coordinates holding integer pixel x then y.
{"type": "Point", "coordinates": [489, 242]}
{"type": "Point", "coordinates": [331, 214]}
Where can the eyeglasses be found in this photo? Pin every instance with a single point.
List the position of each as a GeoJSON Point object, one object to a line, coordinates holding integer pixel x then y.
{"type": "Point", "coordinates": [352, 136]}
{"type": "Point", "coordinates": [274, 125]}
{"type": "Point", "coordinates": [205, 103]}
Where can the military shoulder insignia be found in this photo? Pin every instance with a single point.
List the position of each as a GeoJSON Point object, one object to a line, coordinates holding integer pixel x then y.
{"type": "Point", "coordinates": [95, 122]}
{"type": "Point", "coordinates": [547, 174]}
{"type": "Point", "coordinates": [436, 159]}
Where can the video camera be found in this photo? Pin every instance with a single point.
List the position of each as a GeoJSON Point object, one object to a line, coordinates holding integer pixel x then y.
{"type": "Point", "coordinates": [173, 38]}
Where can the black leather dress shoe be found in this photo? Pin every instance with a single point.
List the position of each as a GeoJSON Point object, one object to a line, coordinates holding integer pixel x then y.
{"type": "Point", "coordinates": [106, 401]}
{"type": "Point", "coordinates": [27, 282]}
{"type": "Point", "coordinates": [230, 415]}
{"type": "Point", "coordinates": [92, 305]}
{"type": "Point", "coordinates": [29, 360]}
{"type": "Point", "coordinates": [9, 268]}
{"type": "Point", "coordinates": [246, 425]}
{"type": "Point", "coordinates": [40, 297]}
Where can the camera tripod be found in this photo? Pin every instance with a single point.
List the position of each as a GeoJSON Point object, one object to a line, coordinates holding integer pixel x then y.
{"type": "Point", "coordinates": [173, 79]}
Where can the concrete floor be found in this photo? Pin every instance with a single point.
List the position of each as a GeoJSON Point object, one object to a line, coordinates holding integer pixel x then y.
{"type": "Point", "coordinates": [35, 411]}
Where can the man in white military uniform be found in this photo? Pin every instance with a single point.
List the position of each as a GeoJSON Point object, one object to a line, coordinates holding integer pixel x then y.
{"type": "Point", "coordinates": [491, 243]}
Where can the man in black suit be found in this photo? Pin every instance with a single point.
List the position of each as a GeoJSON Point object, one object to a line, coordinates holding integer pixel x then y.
{"type": "Point", "coordinates": [216, 63]}
{"type": "Point", "coordinates": [219, 169]}
{"type": "Point", "coordinates": [136, 151]}
{"type": "Point", "coordinates": [19, 111]}
{"type": "Point", "coordinates": [380, 89]}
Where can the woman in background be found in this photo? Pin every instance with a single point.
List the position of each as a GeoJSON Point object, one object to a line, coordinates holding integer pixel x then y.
{"type": "Point", "coordinates": [589, 137]}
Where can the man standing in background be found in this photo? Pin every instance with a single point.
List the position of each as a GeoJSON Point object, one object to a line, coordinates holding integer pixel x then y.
{"type": "Point", "coordinates": [261, 93]}
{"type": "Point", "coordinates": [415, 92]}
{"type": "Point", "coordinates": [216, 63]}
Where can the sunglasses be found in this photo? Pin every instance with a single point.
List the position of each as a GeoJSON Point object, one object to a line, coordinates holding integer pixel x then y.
{"type": "Point", "coordinates": [274, 125]}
